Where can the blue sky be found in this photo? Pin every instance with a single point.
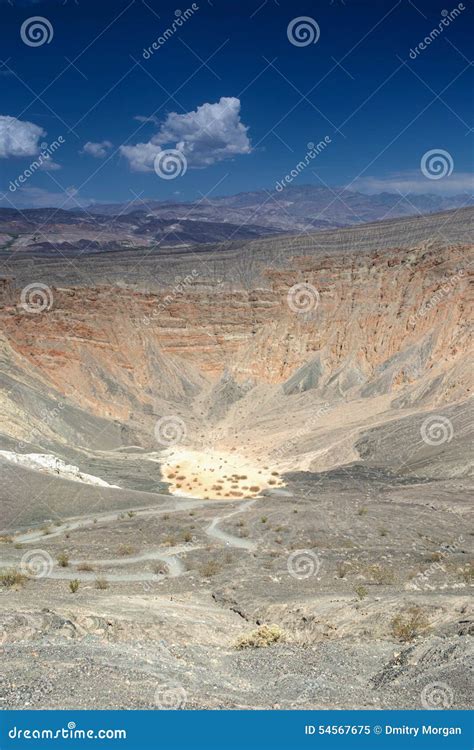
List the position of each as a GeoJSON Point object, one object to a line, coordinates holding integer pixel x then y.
{"type": "Point", "coordinates": [230, 91]}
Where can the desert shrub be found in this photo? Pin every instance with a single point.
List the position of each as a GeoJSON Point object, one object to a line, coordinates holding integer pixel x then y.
{"type": "Point", "coordinates": [74, 585]}
{"type": "Point", "coordinates": [101, 583]}
{"type": "Point", "coordinates": [263, 519]}
{"type": "Point", "coordinates": [11, 577]}
{"type": "Point", "coordinates": [63, 560]}
{"type": "Point", "coordinates": [361, 591]}
{"type": "Point", "coordinates": [6, 539]}
{"type": "Point", "coordinates": [261, 637]}
{"type": "Point", "coordinates": [187, 536]}
{"type": "Point", "coordinates": [409, 624]}
{"type": "Point", "coordinates": [130, 514]}
{"type": "Point", "coordinates": [210, 568]}
{"type": "Point", "coordinates": [85, 566]}
{"type": "Point", "coordinates": [362, 511]}
{"type": "Point", "coordinates": [380, 574]}
{"type": "Point", "coordinates": [383, 531]}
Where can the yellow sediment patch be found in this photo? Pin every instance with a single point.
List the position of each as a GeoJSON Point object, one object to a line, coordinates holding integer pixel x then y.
{"type": "Point", "coordinates": [216, 474]}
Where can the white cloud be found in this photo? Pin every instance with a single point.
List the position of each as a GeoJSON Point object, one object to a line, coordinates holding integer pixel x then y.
{"type": "Point", "coordinates": [416, 182]}
{"type": "Point", "coordinates": [209, 134]}
{"type": "Point", "coordinates": [49, 165]}
{"type": "Point", "coordinates": [19, 137]}
{"type": "Point", "coordinates": [97, 150]}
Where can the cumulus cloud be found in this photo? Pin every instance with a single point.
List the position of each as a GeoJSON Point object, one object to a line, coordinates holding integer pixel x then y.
{"type": "Point", "coordinates": [19, 137]}
{"type": "Point", "coordinates": [416, 183]}
{"type": "Point", "coordinates": [209, 134]}
{"type": "Point", "coordinates": [97, 150]}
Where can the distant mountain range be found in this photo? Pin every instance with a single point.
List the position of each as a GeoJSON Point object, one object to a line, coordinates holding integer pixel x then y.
{"type": "Point", "coordinates": [239, 217]}
{"type": "Point", "coordinates": [307, 207]}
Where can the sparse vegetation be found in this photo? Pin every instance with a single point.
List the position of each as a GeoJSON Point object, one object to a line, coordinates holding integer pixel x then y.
{"type": "Point", "coordinates": [74, 585]}
{"type": "Point", "coordinates": [63, 560]}
{"type": "Point", "coordinates": [362, 511]}
{"type": "Point", "coordinates": [361, 591]}
{"type": "Point", "coordinates": [409, 624]}
{"type": "Point", "coordinates": [85, 567]}
{"type": "Point", "coordinates": [101, 583]}
{"type": "Point", "coordinates": [12, 577]}
{"type": "Point", "coordinates": [261, 637]}
{"type": "Point", "coordinates": [380, 574]}
{"type": "Point", "coordinates": [209, 569]}
{"type": "Point", "coordinates": [6, 539]}
{"type": "Point", "coordinates": [187, 536]}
